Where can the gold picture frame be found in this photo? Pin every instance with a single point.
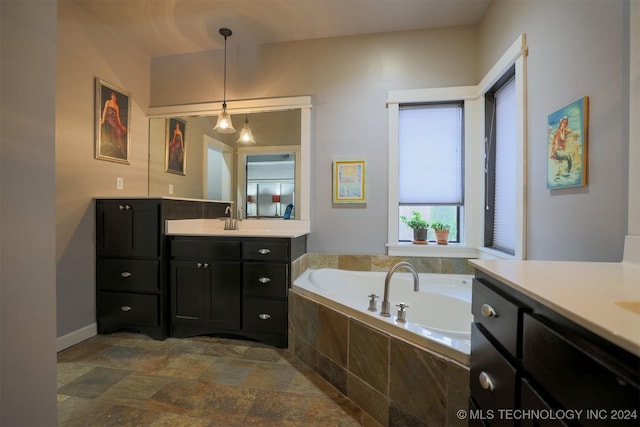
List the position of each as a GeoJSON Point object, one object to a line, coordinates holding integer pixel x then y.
{"type": "Point", "coordinates": [349, 181]}
{"type": "Point", "coordinates": [112, 122]}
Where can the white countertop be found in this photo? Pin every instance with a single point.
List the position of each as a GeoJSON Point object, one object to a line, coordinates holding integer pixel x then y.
{"type": "Point", "coordinates": [584, 292]}
{"type": "Point", "coordinates": [247, 228]}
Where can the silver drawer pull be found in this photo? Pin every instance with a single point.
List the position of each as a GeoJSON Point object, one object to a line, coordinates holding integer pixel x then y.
{"type": "Point", "coordinates": [264, 251]}
{"type": "Point", "coordinates": [488, 311]}
{"type": "Point", "coordinates": [125, 308]}
{"type": "Point", "coordinates": [264, 316]}
{"type": "Point", "coordinates": [199, 265]}
{"type": "Point", "coordinates": [125, 274]}
{"type": "Point", "coordinates": [264, 280]}
{"type": "Point", "coordinates": [485, 381]}
{"type": "Point", "coordinates": [206, 265]}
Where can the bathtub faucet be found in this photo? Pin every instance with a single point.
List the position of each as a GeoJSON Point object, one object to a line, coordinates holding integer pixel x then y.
{"type": "Point", "coordinates": [387, 280]}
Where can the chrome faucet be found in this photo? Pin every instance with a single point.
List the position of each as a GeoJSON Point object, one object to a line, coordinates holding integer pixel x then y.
{"type": "Point", "coordinates": [229, 223]}
{"type": "Point", "coordinates": [386, 306]}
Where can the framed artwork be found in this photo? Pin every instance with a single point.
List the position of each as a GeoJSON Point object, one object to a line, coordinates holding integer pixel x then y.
{"type": "Point", "coordinates": [567, 145]}
{"type": "Point", "coordinates": [112, 120]}
{"type": "Point", "coordinates": [349, 181]}
{"type": "Point", "coordinates": [175, 151]}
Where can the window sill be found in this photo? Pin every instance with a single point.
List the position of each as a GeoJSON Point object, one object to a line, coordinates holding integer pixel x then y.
{"type": "Point", "coordinates": [452, 250]}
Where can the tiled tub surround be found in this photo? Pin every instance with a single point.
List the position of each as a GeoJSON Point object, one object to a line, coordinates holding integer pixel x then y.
{"type": "Point", "coordinates": [395, 382]}
{"type": "Point", "coordinates": [439, 265]}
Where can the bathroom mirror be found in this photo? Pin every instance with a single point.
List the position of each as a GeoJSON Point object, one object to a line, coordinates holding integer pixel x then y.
{"type": "Point", "coordinates": [269, 179]}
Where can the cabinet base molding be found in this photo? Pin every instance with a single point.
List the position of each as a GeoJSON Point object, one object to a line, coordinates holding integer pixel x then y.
{"type": "Point", "coordinates": [275, 340]}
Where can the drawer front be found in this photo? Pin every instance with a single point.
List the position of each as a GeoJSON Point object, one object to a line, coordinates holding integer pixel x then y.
{"type": "Point", "coordinates": [127, 275]}
{"type": "Point", "coordinates": [493, 378]}
{"type": "Point", "coordinates": [498, 315]}
{"type": "Point", "coordinates": [264, 316]}
{"type": "Point", "coordinates": [555, 362]}
{"type": "Point", "coordinates": [266, 250]}
{"type": "Point", "coordinates": [205, 248]}
{"type": "Point", "coordinates": [120, 308]}
{"type": "Point", "coordinates": [533, 402]}
{"type": "Point", "coordinates": [265, 280]}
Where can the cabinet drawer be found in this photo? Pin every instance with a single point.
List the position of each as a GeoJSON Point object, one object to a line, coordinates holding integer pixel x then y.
{"type": "Point", "coordinates": [264, 316]}
{"type": "Point", "coordinates": [121, 308]}
{"type": "Point", "coordinates": [127, 275]}
{"type": "Point", "coordinates": [532, 401]}
{"type": "Point", "coordinates": [265, 250]}
{"type": "Point", "coordinates": [500, 316]}
{"type": "Point", "coordinates": [562, 363]}
{"type": "Point", "coordinates": [265, 280]}
{"type": "Point", "coordinates": [205, 248]}
{"type": "Point", "coordinates": [488, 365]}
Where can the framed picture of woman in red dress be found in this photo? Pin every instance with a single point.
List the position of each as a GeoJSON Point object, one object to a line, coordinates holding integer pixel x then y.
{"type": "Point", "coordinates": [567, 145]}
{"type": "Point", "coordinates": [175, 157]}
{"type": "Point", "coordinates": [112, 118]}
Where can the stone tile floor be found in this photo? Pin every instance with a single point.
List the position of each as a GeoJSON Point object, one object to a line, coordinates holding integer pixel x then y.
{"type": "Point", "coordinates": [126, 379]}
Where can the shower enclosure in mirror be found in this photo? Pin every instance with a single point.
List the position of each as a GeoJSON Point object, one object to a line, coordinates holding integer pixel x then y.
{"type": "Point", "coordinates": [267, 180]}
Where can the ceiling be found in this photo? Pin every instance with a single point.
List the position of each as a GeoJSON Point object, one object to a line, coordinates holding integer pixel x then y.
{"type": "Point", "coordinates": [171, 27]}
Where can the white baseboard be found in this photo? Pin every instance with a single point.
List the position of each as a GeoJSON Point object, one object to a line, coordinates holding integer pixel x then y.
{"type": "Point", "coordinates": [73, 338]}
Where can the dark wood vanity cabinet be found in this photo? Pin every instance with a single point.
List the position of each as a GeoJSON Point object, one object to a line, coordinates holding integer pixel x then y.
{"type": "Point", "coordinates": [531, 366]}
{"type": "Point", "coordinates": [131, 267]}
{"type": "Point", "coordinates": [232, 286]}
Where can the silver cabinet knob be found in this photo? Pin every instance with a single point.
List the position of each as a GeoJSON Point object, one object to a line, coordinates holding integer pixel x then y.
{"type": "Point", "coordinates": [264, 280]}
{"type": "Point", "coordinates": [264, 251]}
{"type": "Point", "coordinates": [486, 382]}
{"type": "Point", "coordinates": [264, 316]}
{"type": "Point", "coordinates": [488, 311]}
{"type": "Point", "coordinates": [125, 308]}
{"type": "Point", "coordinates": [199, 265]}
{"type": "Point", "coordinates": [125, 274]}
{"type": "Point", "coordinates": [206, 265]}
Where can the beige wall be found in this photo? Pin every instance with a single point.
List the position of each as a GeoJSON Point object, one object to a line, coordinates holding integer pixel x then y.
{"type": "Point", "coordinates": [88, 50]}
{"type": "Point", "coordinates": [27, 213]}
{"type": "Point", "coordinates": [348, 79]}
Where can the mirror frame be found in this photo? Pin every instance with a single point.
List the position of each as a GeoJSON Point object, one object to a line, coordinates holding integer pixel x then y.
{"type": "Point", "coordinates": [303, 103]}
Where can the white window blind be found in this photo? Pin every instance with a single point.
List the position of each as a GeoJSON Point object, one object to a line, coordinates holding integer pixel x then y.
{"type": "Point", "coordinates": [430, 154]}
{"type": "Point", "coordinates": [504, 229]}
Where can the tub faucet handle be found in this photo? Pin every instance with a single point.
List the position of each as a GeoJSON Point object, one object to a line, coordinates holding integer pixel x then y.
{"type": "Point", "coordinates": [402, 312]}
{"type": "Point", "coordinates": [372, 302]}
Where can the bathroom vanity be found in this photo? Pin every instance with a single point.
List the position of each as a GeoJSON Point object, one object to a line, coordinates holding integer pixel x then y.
{"type": "Point", "coordinates": [166, 267]}
{"type": "Point", "coordinates": [555, 343]}
{"type": "Point", "coordinates": [233, 282]}
{"type": "Point", "coordinates": [131, 260]}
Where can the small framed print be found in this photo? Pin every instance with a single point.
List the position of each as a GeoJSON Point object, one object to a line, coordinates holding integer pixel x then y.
{"type": "Point", "coordinates": [567, 145]}
{"type": "Point", "coordinates": [349, 181]}
{"type": "Point", "coordinates": [175, 152]}
{"type": "Point", "coordinates": [112, 120]}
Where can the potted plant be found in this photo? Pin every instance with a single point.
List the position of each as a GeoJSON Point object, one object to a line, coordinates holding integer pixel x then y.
{"type": "Point", "coordinates": [442, 232]}
{"type": "Point", "coordinates": [419, 226]}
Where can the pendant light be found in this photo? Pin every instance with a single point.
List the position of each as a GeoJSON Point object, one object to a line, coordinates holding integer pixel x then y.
{"type": "Point", "coordinates": [246, 136]}
{"type": "Point", "coordinates": [224, 124]}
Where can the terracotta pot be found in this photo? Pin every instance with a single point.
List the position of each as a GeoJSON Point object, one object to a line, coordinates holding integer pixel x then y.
{"type": "Point", "coordinates": [420, 236]}
{"type": "Point", "coordinates": [442, 236]}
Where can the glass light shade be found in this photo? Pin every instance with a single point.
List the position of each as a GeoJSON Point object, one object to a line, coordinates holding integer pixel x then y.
{"type": "Point", "coordinates": [246, 137]}
{"type": "Point", "coordinates": [224, 123]}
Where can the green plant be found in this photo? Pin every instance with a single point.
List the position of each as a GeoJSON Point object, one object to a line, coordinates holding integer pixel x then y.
{"type": "Point", "coordinates": [440, 226]}
{"type": "Point", "coordinates": [416, 222]}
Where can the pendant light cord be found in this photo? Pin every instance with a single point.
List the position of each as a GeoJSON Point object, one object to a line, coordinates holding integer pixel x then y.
{"type": "Point", "coordinates": [225, 33]}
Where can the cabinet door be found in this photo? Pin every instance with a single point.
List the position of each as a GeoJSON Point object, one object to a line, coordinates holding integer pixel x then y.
{"type": "Point", "coordinates": [127, 228]}
{"type": "Point", "coordinates": [223, 294]}
{"type": "Point", "coordinates": [188, 287]}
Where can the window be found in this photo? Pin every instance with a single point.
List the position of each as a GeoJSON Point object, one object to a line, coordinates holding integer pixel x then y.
{"type": "Point", "coordinates": [430, 167]}
{"type": "Point", "coordinates": [459, 194]}
{"type": "Point", "coordinates": [500, 170]}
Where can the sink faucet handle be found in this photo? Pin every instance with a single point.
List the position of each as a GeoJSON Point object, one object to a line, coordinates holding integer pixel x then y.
{"type": "Point", "coordinates": [402, 312]}
{"type": "Point", "coordinates": [372, 302]}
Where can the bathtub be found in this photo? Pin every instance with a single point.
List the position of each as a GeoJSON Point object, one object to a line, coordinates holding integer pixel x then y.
{"type": "Point", "coordinates": [438, 317]}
